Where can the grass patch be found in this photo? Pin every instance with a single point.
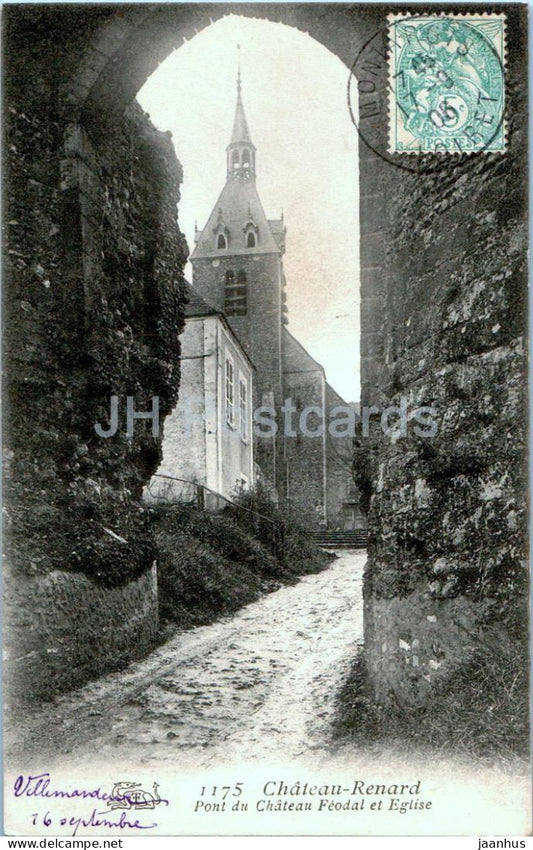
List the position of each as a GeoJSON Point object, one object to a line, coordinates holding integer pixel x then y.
{"type": "Point", "coordinates": [210, 565]}
{"type": "Point", "coordinates": [480, 711]}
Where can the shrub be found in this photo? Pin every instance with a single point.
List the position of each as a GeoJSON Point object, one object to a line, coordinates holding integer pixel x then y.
{"type": "Point", "coordinates": [212, 564]}
{"type": "Point", "coordinates": [297, 554]}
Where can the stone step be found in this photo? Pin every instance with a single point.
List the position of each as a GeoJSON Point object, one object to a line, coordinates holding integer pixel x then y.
{"type": "Point", "coordinates": [340, 539]}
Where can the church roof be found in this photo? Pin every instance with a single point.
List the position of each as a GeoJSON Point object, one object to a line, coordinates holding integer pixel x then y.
{"type": "Point", "coordinates": [196, 305]}
{"type": "Point", "coordinates": [238, 210]}
{"type": "Point", "coordinates": [295, 357]}
{"type": "Point", "coordinates": [334, 397]}
{"type": "Point", "coordinates": [237, 206]}
{"type": "Point", "coordinates": [240, 131]}
{"type": "Point", "coordinates": [277, 226]}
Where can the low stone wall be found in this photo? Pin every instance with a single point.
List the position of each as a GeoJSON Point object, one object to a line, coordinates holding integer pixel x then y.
{"type": "Point", "coordinates": [417, 641]}
{"type": "Point", "coordinates": [62, 629]}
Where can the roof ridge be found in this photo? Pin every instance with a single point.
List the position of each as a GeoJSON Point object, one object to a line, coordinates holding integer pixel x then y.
{"type": "Point", "coordinates": [304, 349]}
{"type": "Point", "coordinates": [197, 302]}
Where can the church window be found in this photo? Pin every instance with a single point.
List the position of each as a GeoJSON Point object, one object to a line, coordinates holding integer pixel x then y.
{"type": "Point", "coordinates": [230, 399]}
{"type": "Point", "coordinates": [243, 408]}
{"type": "Point", "coordinates": [221, 242]}
{"type": "Point", "coordinates": [235, 159]}
{"type": "Point", "coordinates": [250, 240]}
{"type": "Point", "coordinates": [246, 158]}
{"type": "Point", "coordinates": [236, 294]}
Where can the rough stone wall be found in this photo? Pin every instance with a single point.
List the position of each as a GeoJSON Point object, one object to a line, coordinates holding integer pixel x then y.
{"type": "Point", "coordinates": [444, 316]}
{"type": "Point", "coordinates": [65, 629]}
{"type": "Point", "coordinates": [93, 306]}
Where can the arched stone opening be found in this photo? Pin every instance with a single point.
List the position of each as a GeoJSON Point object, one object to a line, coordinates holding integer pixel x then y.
{"type": "Point", "coordinates": [110, 185]}
{"type": "Point", "coordinates": [125, 49]}
{"type": "Point", "coordinates": [413, 286]}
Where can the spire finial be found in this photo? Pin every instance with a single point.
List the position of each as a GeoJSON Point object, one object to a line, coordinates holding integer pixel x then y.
{"type": "Point", "coordinates": [238, 67]}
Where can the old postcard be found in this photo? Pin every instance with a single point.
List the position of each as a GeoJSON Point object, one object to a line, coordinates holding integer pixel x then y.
{"type": "Point", "coordinates": [265, 483]}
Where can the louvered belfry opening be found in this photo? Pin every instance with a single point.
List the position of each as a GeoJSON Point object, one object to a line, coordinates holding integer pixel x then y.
{"type": "Point", "coordinates": [235, 294]}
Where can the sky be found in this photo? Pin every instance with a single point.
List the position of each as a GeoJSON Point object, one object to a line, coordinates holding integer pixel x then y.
{"type": "Point", "coordinates": [294, 94]}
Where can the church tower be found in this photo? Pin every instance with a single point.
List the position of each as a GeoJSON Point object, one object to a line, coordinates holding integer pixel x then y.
{"type": "Point", "coordinates": [237, 266]}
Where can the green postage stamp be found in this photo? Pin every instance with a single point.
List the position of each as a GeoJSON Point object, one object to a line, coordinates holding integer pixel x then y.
{"type": "Point", "coordinates": [447, 83]}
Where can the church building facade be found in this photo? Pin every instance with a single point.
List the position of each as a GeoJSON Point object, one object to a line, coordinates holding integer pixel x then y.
{"type": "Point", "coordinates": [237, 267]}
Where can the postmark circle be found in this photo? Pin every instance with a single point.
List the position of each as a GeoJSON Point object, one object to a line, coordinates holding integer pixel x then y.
{"type": "Point", "coordinates": [448, 91]}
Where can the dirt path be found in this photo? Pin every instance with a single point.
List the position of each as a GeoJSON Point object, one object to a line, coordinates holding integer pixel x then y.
{"type": "Point", "coordinates": [256, 686]}
{"type": "Point", "coordinates": [249, 700]}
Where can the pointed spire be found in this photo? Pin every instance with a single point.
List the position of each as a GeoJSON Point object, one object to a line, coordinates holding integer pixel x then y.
{"type": "Point", "coordinates": [238, 214]}
{"type": "Point", "coordinates": [241, 133]}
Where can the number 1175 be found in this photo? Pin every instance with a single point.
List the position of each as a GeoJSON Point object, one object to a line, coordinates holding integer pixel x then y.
{"type": "Point", "coordinates": [222, 791]}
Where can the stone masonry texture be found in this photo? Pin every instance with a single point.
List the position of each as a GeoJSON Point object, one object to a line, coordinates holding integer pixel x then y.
{"type": "Point", "coordinates": [93, 307]}
{"type": "Point", "coordinates": [447, 569]}
{"type": "Point", "coordinates": [65, 629]}
{"type": "Point", "coordinates": [443, 289]}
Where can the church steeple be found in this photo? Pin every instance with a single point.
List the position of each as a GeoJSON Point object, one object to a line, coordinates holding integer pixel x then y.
{"type": "Point", "coordinates": [241, 150]}
{"type": "Point", "coordinates": [238, 226]}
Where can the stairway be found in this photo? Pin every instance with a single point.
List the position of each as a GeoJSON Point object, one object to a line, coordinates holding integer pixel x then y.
{"type": "Point", "coordinates": [340, 539]}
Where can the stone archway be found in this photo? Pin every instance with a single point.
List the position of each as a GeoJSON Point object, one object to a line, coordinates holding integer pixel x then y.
{"type": "Point", "coordinates": [98, 210]}
{"type": "Point", "coordinates": [76, 145]}
{"type": "Point", "coordinates": [123, 50]}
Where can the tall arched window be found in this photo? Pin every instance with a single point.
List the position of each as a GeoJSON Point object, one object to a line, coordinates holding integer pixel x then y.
{"type": "Point", "coordinates": [250, 240]}
{"type": "Point", "coordinates": [235, 294]}
{"type": "Point", "coordinates": [221, 242]}
{"type": "Point", "coordinates": [246, 158]}
{"type": "Point", "coordinates": [235, 162]}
